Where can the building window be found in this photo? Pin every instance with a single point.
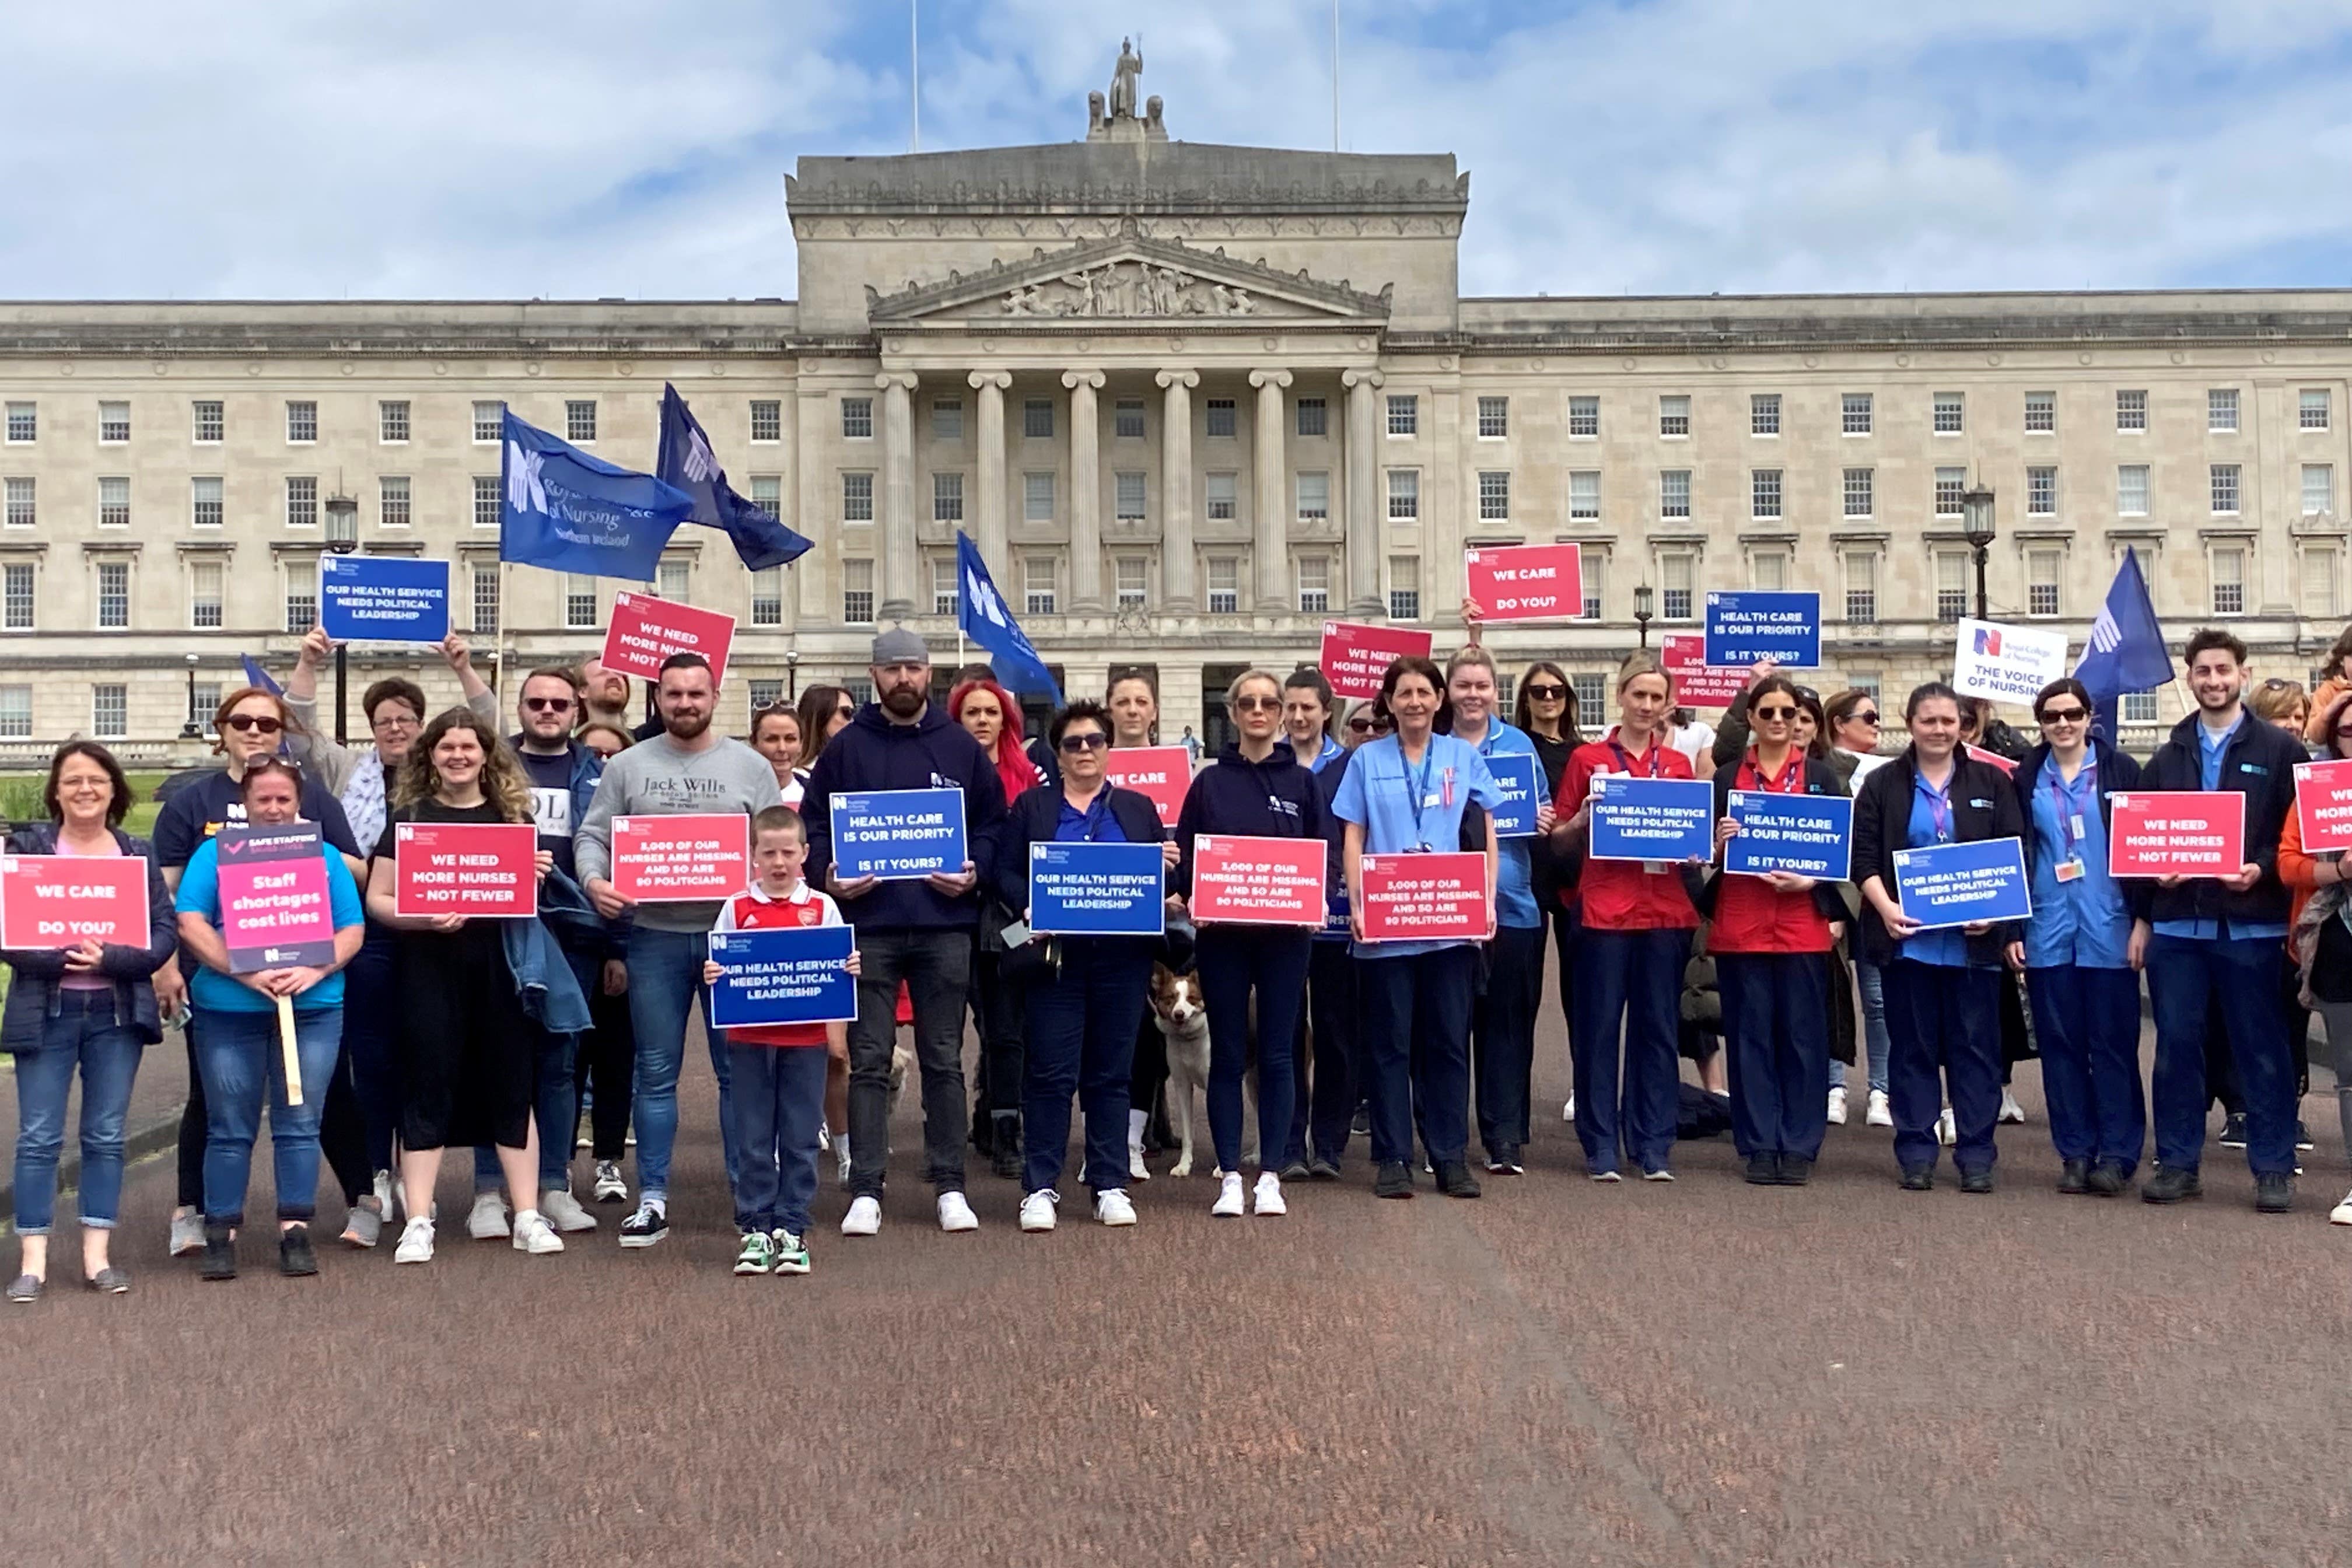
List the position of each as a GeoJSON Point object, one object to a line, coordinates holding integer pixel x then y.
{"type": "Point", "coordinates": [1951, 586]}
{"type": "Point", "coordinates": [489, 423]}
{"type": "Point", "coordinates": [1224, 584]}
{"type": "Point", "coordinates": [768, 597]}
{"type": "Point", "coordinates": [1583, 494]}
{"type": "Point", "coordinates": [114, 595]}
{"type": "Point", "coordinates": [2318, 488]}
{"type": "Point", "coordinates": [114, 502]}
{"type": "Point", "coordinates": [1951, 414]}
{"type": "Point", "coordinates": [391, 422]}
{"type": "Point", "coordinates": [578, 602]}
{"type": "Point", "coordinates": [205, 507]}
{"type": "Point", "coordinates": [2221, 410]}
{"type": "Point", "coordinates": [113, 423]}
{"type": "Point", "coordinates": [1859, 493]}
{"type": "Point", "coordinates": [1674, 492]}
{"type": "Point", "coordinates": [762, 695]}
{"type": "Point", "coordinates": [947, 419]}
{"type": "Point", "coordinates": [1404, 495]}
{"type": "Point", "coordinates": [2228, 580]}
{"type": "Point", "coordinates": [211, 422]}
{"type": "Point", "coordinates": [1126, 419]}
{"type": "Point", "coordinates": [22, 511]}
{"type": "Point", "coordinates": [16, 597]}
{"type": "Point", "coordinates": [1677, 574]}
{"type": "Point", "coordinates": [1764, 493]}
{"type": "Point", "coordinates": [1404, 587]}
{"type": "Point", "coordinates": [2311, 409]}
{"type": "Point", "coordinates": [17, 713]}
{"type": "Point", "coordinates": [2042, 582]}
{"type": "Point", "coordinates": [2319, 573]}
{"type": "Point", "coordinates": [302, 422]}
{"type": "Point", "coordinates": [1494, 418]}
{"type": "Point", "coordinates": [672, 580]}
{"type": "Point", "coordinates": [2041, 412]}
{"type": "Point", "coordinates": [1405, 413]}
{"type": "Point", "coordinates": [1314, 584]}
{"type": "Point", "coordinates": [489, 500]}
{"type": "Point", "coordinates": [486, 597]}
{"type": "Point", "coordinates": [767, 419]}
{"type": "Point", "coordinates": [1038, 579]}
{"type": "Point", "coordinates": [1494, 496]}
{"type": "Point", "coordinates": [1595, 563]}
{"type": "Point", "coordinates": [2139, 708]}
{"type": "Point", "coordinates": [858, 418]}
{"type": "Point", "coordinates": [302, 595]}
{"type": "Point", "coordinates": [1037, 419]}
{"type": "Point", "coordinates": [768, 494]}
{"type": "Point", "coordinates": [580, 420]}
{"type": "Point", "coordinates": [391, 501]}
{"type": "Point", "coordinates": [2131, 411]}
{"type": "Point", "coordinates": [857, 592]}
{"type": "Point", "coordinates": [301, 504]}
{"type": "Point", "coordinates": [1314, 416]}
{"type": "Point", "coordinates": [1218, 412]}
{"type": "Point", "coordinates": [1591, 690]}
{"type": "Point", "coordinates": [2225, 489]}
{"type": "Point", "coordinates": [1038, 498]}
{"type": "Point", "coordinates": [110, 712]}
{"type": "Point", "coordinates": [946, 498]}
{"type": "Point", "coordinates": [1854, 414]}
{"type": "Point", "coordinates": [1950, 483]}
{"type": "Point", "coordinates": [1131, 581]}
{"type": "Point", "coordinates": [2131, 490]}
{"type": "Point", "coordinates": [1861, 587]}
{"type": "Point", "coordinates": [1768, 570]}
{"type": "Point", "coordinates": [1127, 498]}
{"type": "Point", "coordinates": [857, 498]}
{"type": "Point", "coordinates": [24, 423]}
{"type": "Point", "coordinates": [1584, 416]}
{"type": "Point", "coordinates": [1764, 414]}
{"type": "Point", "coordinates": [1314, 497]}
{"type": "Point", "coordinates": [1674, 415]}
{"type": "Point", "coordinates": [1221, 491]}
{"type": "Point", "coordinates": [2042, 491]}
{"type": "Point", "coordinates": [945, 592]}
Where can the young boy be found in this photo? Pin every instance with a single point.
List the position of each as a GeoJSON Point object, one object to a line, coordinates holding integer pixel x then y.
{"type": "Point", "coordinates": [777, 1071]}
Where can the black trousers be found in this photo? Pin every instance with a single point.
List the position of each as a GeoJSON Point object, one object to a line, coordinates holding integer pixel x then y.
{"type": "Point", "coordinates": [1326, 1056]}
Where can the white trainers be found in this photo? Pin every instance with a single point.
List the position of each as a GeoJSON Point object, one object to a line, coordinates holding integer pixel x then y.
{"type": "Point", "coordinates": [385, 1197]}
{"type": "Point", "coordinates": [1229, 1197]}
{"type": "Point", "coordinates": [488, 1222]}
{"type": "Point", "coordinates": [563, 1212]}
{"type": "Point", "coordinates": [187, 1234]}
{"type": "Point", "coordinates": [1267, 1199]}
{"type": "Point", "coordinates": [610, 1188]}
{"type": "Point", "coordinates": [1880, 1113]}
{"type": "Point", "coordinates": [863, 1218]}
{"type": "Point", "coordinates": [2342, 1213]}
{"type": "Point", "coordinates": [1137, 1120]}
{"type": "Point", "coordinates": [1837, 1106]}
{"type": "Point", "coordinates": [1113, 1206]}
{"type": "Point", "coordinates": [955, 1214]}
{"type": "Point", "coordinates": [2010, 1111]}
{"type": "Point", "coordinates": [1568, 1111]}
{"type": "Point", "coordinates": [416, 1241]}
{"type": "Point", "coordinates": [533, 1234]}
{"type": "Point", "coordinates": [1947, 1133]}
{"type": "Point", "coordinates": [1038, 1209]}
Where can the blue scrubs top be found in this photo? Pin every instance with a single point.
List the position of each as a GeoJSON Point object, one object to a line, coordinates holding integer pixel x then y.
{"type": "Point", "coordinates": [2083, 923]}
{"type": "Point", "coordinates": [1403, 810]}
{"type": "Point", "coordinates": [1514, 881]}
{"type": "Point", "coordinates": [1931, 823]}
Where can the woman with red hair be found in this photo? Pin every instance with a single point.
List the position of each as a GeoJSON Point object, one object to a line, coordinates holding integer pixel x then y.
{"type": "Point", "coordinates": [993, 718]}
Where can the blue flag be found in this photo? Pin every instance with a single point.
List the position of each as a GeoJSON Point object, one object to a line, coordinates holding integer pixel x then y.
{"type": "Point", "coordinates": [981, 615]}
{"type": "Point", "coordinates": [257, 676]}
{"type": "Point", "coordinates": [568, 512]}
{"type": "Point", "coordinates": [2126, 651]}
{"type": "Point", "coordinates": [685, 460]}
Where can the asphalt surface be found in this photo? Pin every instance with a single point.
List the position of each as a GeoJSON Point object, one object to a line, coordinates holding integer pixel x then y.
{"type": "Point", "coordinates": [1561, 1372]}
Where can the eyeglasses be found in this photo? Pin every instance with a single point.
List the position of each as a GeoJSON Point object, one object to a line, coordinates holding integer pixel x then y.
{"type": "Point", "coordinates": [1258, 704]}
{"type": "Point", "coordinates": [2065, 715]}
{"type": "Point", "coordinates": [846, 711]}
{"type": "Point", "coordinates": [263, 723]}
{"type": "Point", "coordinates": [1544, 692]}
{"type": "Point", "coordinates": [1360, 726]}
{"type": "Point", "coordinates": [1768, 714]}
{"type": "Point", "coordinates": [1074, 744]}
{"type": "Point", "coordinates": [548, 704]}
{"type": "Point", "coordinates": [398, 721]}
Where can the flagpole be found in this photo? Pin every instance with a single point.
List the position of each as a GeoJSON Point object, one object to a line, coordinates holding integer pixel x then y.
{"type": "Point", "coordinates": [915, 75]}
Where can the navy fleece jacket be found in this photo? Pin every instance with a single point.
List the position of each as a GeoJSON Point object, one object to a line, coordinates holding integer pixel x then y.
{"type": "Point", "coordinates": [933, 753]}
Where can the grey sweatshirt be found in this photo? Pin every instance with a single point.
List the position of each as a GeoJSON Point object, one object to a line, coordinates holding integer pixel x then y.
{"type": "Point", "coordinates": [656, 778]}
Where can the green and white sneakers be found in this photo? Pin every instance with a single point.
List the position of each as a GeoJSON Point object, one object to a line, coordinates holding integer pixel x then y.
{"type": "Point", "coordinates": [790, 1253]}
{"type": "Point", "coordinates": [757, 1255]}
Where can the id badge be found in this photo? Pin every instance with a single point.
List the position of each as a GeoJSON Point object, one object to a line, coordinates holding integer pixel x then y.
{"type": "Point", "coordinates": [1653, 868]}
{"type": "Point", "coordinates": [2078, 831]}
{"type": "Point", "coordinates": [2069, 869]}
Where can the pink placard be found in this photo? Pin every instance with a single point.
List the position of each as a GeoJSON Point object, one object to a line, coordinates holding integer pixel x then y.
{"type": "Point", "coordinates": [681, 860]}
{"type": "Point", "coordinates": [2177, 833]}
{"type": "Point", "coordinates": [1425, 898]}
{"type": "Point", "coordinates": [645, 630]}
{"type": "Point", "coordinates": [1258, 881]}
{"type": "Point", "coordinates": [64, 900]}
{"type": "Point", "coordinates": [2323, 803]}
{"type": "Point", "coordinates": [485, 869]}
{"type": "Point", "coordinates": [1163, 773]}
{"type": "Point", "coordinates": [1697, 685]}
{"type": "Point", "coordinates": [1355, 656]}
{"type": "Point", "coordinates": [1527, 581]}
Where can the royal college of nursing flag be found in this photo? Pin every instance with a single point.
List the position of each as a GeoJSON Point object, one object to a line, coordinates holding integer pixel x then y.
{"type": "Point", "coordinates": [2126, 651]}
{"type": "Point", "coordinates": [685, 460]}
{"type": "Point", "coordinates": [981, 615]}
{"type": "Point", "coordinates": [568, 512]}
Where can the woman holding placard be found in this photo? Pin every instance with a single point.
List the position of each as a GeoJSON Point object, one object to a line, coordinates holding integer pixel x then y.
{"type": "Point", "coordinates": [1771, 938]}
{"type": "Point", "coordinates": [466, 1048]}
{"type": "Point", "coordinates": [1131, 702]}
{"type": "Point", "coordinates": [2321, 942]}
{"type": "Point", "coordinates": [1943, 997]}
{"type": "Point", "coordinates": [83, 1003]}
{"type": "Point", "coordinates": [242, 1024]}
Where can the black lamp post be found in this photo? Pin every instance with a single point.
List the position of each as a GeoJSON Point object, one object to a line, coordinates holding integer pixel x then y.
{"type": "Point", "coordinates": [191, 729]}
{"type": "Point", "coordinates": [1976, 508]}
{"type": "Point", "coordinates": [342, 538]}
{"type": "Point", "coordinates": [1642, 597]}
{"type": "Point", "coordinates": [791, 675]}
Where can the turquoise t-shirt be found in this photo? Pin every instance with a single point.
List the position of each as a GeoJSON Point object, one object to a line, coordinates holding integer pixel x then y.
{"type": "Point", "coordinates": [200, 894]}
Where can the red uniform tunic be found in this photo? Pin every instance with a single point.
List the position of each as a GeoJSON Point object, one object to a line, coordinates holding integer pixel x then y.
{"type": "Point", "coordinates": [1626, 895]}
{"type": "Point", "coordinates": [1750, 914]}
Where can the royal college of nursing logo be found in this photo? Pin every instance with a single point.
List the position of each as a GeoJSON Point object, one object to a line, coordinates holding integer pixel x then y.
{"type": "Point", "coordinates": [983, 596]}
{"type": "Point", "coordinates": [526, 490]}
{"type": "Point", "coordinates": [700, 463]}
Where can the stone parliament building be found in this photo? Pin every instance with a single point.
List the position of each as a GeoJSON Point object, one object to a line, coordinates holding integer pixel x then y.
{"type": "Point", "coordinates": [1191, 400]}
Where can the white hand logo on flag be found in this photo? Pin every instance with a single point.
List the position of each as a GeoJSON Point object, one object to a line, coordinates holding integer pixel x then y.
{"type": "Point", "coordinates": [526, 491]}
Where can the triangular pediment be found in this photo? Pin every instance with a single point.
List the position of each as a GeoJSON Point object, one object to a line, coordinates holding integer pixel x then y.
{"type": "Point", "coordinates": [1127, 277]}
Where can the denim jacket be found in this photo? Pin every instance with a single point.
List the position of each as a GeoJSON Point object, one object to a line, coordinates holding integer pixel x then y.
{"type": "Point", "coordinates": [35, 993]}
{"type": "Point", "coordinates": [543, 979]}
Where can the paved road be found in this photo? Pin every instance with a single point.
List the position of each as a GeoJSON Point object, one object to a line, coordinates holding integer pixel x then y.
{"type": "Point", "coordinates": [1700, 1373]}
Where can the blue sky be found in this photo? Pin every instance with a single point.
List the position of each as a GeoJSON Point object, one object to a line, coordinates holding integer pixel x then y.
{"type": "Point", "coordinates": [434, 149]}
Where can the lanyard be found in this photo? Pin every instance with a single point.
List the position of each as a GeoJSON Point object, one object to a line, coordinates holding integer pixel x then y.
{"type": "Point", "coordinates": [1650, 759]}
{"type": "Point", "coordinates": [2061, 799]}
{"type": "Point", "coordinates": [1417, 790]}
{"type": "Point", "coordinates": [1791, 777]}
{"type": "Point", "coordinates": [1939, 806]}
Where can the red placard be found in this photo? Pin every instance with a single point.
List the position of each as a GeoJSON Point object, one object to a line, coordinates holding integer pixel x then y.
{"type": "Point", "coordinates": [1684, 657]}
{"type": "Point", "coordinates": [645, 630]}
{"type": "Point", "coordinates": [1527, 581]}
{"type": "Point", "coordinates": [1356, 656]}
{"type": "Point", "coordinates": [482, 868]}
{"type": "Point", "coordinates": [2323, 803]}
{"type": "Point", "coordinates": [681, 860]}
{"type": "Point", "coordinates": [1995, 758]}
{"type": "Point", "coordinates": [1163, 773]}
{"type": "Point", "coordinates": [1258, 881]}
{"type": "Point", "coordinates": [2177, 833]}
{"type": "Point", "coordinates": [1425, 898]}
{"type": "Point", "coordinates": [64, 900]}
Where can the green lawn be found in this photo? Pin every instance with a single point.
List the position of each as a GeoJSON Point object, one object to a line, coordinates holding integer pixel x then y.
{"type": "Point", "coordinates": [20, 800]}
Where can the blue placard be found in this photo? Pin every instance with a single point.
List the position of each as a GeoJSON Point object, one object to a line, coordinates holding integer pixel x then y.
{"type": "Point", "coordinates": [793, 976]}
{"type": "Point", "coordinates": [1098, 889]}
{"type": "Point", "coordinates": [1811, 835]}
{"type": "Point", "coordinates": [384, 598]}
{"type": "Point", "coordinates": [1520, 775]}
{"type": "Point", "coordinates": [898, 834]}
{"type": "Point", "coordinates": [1959, 884]}
{"type": "Point", "coordinates": [1650, 819]}
{"type": "Point", "coordinates": [1746, 625]}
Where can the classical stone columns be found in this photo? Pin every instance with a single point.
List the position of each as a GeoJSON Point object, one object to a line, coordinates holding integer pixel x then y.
{"type": "Point", "coordinates": [1086, 488]}
{"type": "Point", "coordinates": [1270, 507]}
{"type": "Point", "coordinates": [988, 515]}
{"type": "Point", "coordinates": [896, 528]}
{"type": "Point", "coordinates": [1176, 488]}
{"type": "Point", "coordinates": [1363, 492]}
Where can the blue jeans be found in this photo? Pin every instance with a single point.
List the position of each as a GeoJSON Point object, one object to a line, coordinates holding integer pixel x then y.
{"type": "Point", "coordinates": [238, 1055]}
{"type": "Point", "coordinates": [776, 1097]}
{"type": "Point", "coordinates": [1417, 1020]}
{"type": "Point", "coordinates": [2087, 1022]}
{"type": "Point", "coordinates": [555, 1108]}
{"type": "Point", "coordinates": [1944, 1021]}
{"type": "Point", "coordinates": [664, 978]}
{"type": "Point", "coordinates": [1233, 961]}
{"type": "Point", "coordinates": [2241, 975]}
{"type": "Point", "coordinates": [1870, 982]}
{"type": "Point", "coordinates": [1776, 1034]}
{"type": "Point", "coordinates": [1629, 981]}
{"type": "Point", "coordinates": [83, 1032]}
{"type": "Point", "coordinates": [1081, 1042]}
{"type": "Point", "coordinates": [1502, 1037]}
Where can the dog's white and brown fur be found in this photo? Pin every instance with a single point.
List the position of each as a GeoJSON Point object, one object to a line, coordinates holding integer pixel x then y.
{"type": "Point", "coordinates": [1181, 1015]}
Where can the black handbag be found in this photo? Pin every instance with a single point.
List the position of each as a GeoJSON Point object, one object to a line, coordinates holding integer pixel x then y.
{"type": "Point", "coordinates": [1031, 961]}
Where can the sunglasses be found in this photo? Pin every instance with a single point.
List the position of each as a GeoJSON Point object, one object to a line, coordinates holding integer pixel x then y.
{"type": "Point", "coordinates": [1544, 692]}
{"type": "Point", "coordinates": [1258, 704]}
{"type": "Point", "coordinates": [2065, 715]}
{"type": "Point", "coordinates": [2277, 683]}
{"type": "Point", "coordinates": [1074, 744]}
{"type": "Point", "coordinates": [548, 704]}
{"type": "Point", "coordinates": [1869, 718]}
{"type": "Point", "coordinates": [241, 722]}
{"type": "Point", "coordinates": [845, 711]}
{"type": "Point", "coordinates": [1769, 714]}
{"type": "Point", "coordinates": [1360, 726]}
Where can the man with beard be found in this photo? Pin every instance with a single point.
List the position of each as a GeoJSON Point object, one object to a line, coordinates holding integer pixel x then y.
{"type": "Point", "coordinates": [686, 769]}
{"type": "Point", "coordinates": [605, 696]}
{"type": "Point", "coordinates": [918, 932]}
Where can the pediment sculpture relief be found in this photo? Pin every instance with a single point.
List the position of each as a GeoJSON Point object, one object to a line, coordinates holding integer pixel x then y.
{"type": "Point", "coordinates": [1130, 289]}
